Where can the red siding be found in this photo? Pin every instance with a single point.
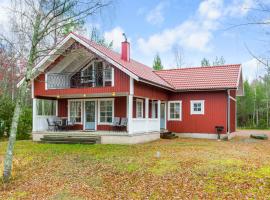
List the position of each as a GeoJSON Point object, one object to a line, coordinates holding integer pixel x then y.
{"type": "Point", "coordinates": [215, 113]}
{"type": "Point", "coordinates": [149, 91]}
{"type": "Point", "coordinates": [121, 85]}
{"type": "Point", "coordinates": [62, 108]}
{"type": "Point", "coordinates": [120, 110]}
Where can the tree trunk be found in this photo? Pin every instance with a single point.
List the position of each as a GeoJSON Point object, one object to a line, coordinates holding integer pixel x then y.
{"type": "Point", "coordinates": [13, 131]}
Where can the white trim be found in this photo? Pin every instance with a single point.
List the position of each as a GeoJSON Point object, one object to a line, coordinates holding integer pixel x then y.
{"type": "Point", "coordinates": [105, 99]}
{"type": "Point", "coordinates": [129, 113]}
{"type": "Point", "coordinates": [169, 111]}
{"type": "Point", "coordinates": [56, 107]}
{"type": "Point", "coordinates": [32, 89]}
{"type": "Point", "coordinates": [192, 112]}
{"type": "Point", "coordinates": [112, 76]}
{"type": "Point", "coordinates": [146, 108]}
{"type": "Point", "coordinates": [82, 110]}
{"type": "Point", "coordinates": [46, 85]}
{"type": "Point", "coordinates": [139, 101]}
{"type": "Point", "coordinates": [96, 51]}
{"type": "Point", "coordinates": [131, 86]}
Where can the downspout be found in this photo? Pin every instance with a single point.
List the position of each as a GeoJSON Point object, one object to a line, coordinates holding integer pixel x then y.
{"type": "Point", "coordinates": [228, 113]}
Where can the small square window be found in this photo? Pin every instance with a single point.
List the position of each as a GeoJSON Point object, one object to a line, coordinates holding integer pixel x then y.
{"type": "Point", "coordinates": [197, 107]}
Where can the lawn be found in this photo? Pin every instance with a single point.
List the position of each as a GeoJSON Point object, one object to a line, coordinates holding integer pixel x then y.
{"type": "Point", "coordinates": [186, 169]}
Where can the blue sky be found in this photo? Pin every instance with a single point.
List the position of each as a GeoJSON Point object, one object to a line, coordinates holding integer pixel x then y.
{"type": "Point", "coordinates": [199, 28]}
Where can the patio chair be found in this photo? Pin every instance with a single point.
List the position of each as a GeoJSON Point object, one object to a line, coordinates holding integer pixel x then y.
{"type": "Point", "coordinates": [64, 125]}
{"type": "Point", "coordinates": [124, 122]}
{"type": "Point", "coordinates": [116, 122]}
{"type": "Point", "coordinates": [51, 125]}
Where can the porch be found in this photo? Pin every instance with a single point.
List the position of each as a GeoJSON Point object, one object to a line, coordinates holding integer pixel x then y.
{"type": "Point", "coordinates": [96, 116]}
{"type": "Point", "coordinates": [99, 137]}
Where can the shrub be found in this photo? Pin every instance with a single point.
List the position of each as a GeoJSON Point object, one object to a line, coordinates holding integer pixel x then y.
{"type": "Point", "coordinates": [25, 124]}
{"type": "Point", "coordinates": [6, 113]}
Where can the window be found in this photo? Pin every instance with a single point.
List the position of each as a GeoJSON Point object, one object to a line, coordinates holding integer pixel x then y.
{"type": "Point", "coordinates": [46, 107]}
{"type": "Point", "coordinates": [75, 111]}
{"type": "Point", "coordinates": [197, 107]}
{"type": "Point", "coordinates": [106, 111]}
{"type": "Point", "coordinates": [154, 109]}
{"type": "Point", "coordinates": [107, 75]}
{"type": "Point", "coordinates": [175, 110]}
{"type": "Point", "coordinates": [87, 74]}
{"type": "Point", "coordinates": [139, 108]}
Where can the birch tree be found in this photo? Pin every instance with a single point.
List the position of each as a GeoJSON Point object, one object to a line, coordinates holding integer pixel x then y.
{"type": "Point", "coordinates": [37, 21]}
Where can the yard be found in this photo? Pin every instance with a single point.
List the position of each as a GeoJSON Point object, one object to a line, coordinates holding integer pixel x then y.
{"type": "Point", "coordinates": [186, 169]}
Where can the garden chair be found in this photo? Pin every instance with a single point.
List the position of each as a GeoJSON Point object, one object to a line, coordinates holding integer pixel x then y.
{"type": "Point", "coordinates": [116, 123]}
{"type": "Point", "coordinates": [51, 125]}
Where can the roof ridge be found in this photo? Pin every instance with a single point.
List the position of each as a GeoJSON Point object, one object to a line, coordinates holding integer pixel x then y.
{"type": "Point", "coordinates": [198, 67]}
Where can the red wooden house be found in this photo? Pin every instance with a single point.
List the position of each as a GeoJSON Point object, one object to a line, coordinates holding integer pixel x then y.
{"type": "Point", "coordinates": [91, 86]}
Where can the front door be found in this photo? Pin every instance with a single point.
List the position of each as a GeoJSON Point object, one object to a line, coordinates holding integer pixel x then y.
{"type": "Point", "coordinates": [90, 115]}
{"type": "Point", "coordinates": [162, 116]}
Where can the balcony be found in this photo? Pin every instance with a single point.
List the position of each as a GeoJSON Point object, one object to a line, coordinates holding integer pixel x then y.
{"type": "Point", "coordinates": [81, 79]}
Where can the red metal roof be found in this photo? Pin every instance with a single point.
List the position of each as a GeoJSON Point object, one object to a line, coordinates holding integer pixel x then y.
{"type": "Point", "coordinates": [202, 78]}
{"type": "Point", "coordinates": [142, 71]}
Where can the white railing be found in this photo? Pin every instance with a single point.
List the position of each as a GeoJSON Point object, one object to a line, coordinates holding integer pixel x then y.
{"type": "Point", "coordinates": [144, 125]}
{"type": "Point", "coordinates": [56, 81]}
{"type": "Point", "coordinates": [40, 122]}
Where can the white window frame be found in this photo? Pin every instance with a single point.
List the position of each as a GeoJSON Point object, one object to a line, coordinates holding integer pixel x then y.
{"type": "Point", "coordinates": [169, 111]}
{"type": "Point", "coordinates": [105, 99]}
{"type": "Point", "coordinates": [192, 112]}
{"type": "Point", "coordinates": [82, 111]}
{"type": "Point", "coordinates": [43, 108]}
{"type": "Point", "coordinates": [139, 101]}
{"type": "Point", "coordinates": [154, 114]}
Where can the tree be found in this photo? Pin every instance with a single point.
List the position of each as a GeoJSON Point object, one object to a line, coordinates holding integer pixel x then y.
{"type": "Point", "coordinates": [205, 62]}
{"type": "Point", "coordinates": [157, 65]}
{"type": "Point", "coordinates": [37, 21]}
{"type": "Point", "coordinates": [219, 61]}
{"type": "Point", "coordinates": [99, 39]}
{"type": "Point", "coordinates": [178, 56]}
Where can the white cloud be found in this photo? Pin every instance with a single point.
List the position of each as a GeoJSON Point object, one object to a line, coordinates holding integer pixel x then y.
{"type": "Point", "coordinates": [116, 36]}
{"type": "Point", "coordinates": [239, 7]}
{"type": "Point", "coordinates": [155, 16]}
{"type": "Point", "coordinates": [252, 69]}
{"type": "Point", "coordinates": [194, 33]}
{"type": "Point", "coordinates": [211, 9]}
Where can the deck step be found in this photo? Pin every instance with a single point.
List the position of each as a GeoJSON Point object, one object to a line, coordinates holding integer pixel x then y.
{"type": "Point", "coordinates": [68, 142]}
{"type": "Point", "coordinates": [71, 139]}
{"type": "Point", "coordinates": [167, 135]}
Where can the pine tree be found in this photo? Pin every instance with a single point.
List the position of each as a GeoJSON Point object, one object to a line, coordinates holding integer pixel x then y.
{"type": "Point", "coordinates": [157, 65]}
{"type": "Point", "coordinates": [205, 62]}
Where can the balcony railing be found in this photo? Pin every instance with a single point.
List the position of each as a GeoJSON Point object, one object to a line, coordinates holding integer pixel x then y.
{"type": "Point", "coordinates": [97, 78]}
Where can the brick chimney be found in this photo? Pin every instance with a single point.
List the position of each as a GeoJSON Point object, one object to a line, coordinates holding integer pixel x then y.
{"type": "Point", "coordinates": [125, 54]}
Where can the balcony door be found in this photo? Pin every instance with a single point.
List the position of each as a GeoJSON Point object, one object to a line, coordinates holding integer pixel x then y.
{"type": "Point", "coordinates": [90, 115]}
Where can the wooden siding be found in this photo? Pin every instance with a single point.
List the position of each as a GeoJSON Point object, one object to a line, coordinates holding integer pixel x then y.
{"type": "Point", "coordinates": [149, 91]}
{"type": "Point", "coordinates": [120, 110]}
{"type": "Point", "coordinates": [121, 85]}
{"type": "Point", "coordinates": [215, 113]}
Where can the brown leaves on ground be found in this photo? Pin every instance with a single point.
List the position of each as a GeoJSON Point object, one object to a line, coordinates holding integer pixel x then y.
{"type": "Point", "coordinates": [186, 169]}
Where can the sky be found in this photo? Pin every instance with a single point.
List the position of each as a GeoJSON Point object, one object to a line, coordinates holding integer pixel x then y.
{"type": "Point", "coordinates": [200, 28]}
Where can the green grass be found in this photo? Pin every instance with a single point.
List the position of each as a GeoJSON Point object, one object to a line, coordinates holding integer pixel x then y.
{"type": "Point", "coordinates": [186, 169]}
